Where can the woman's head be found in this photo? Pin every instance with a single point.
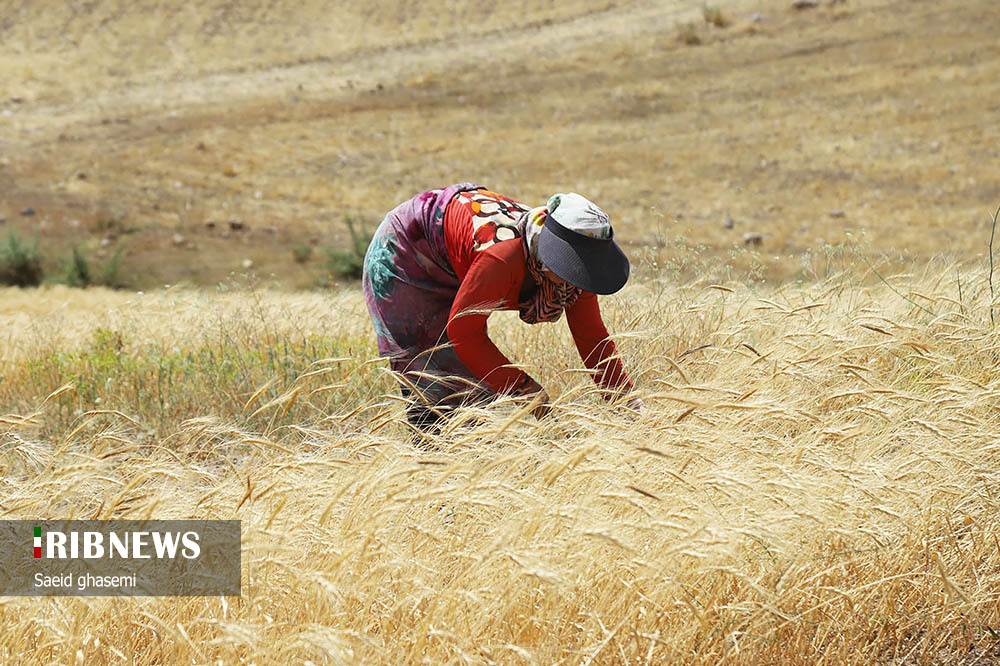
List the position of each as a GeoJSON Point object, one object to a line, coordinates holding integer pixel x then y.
{"type": "Point", "coordinates": [574, 240]}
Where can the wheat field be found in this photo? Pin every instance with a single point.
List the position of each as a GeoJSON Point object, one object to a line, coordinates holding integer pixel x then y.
{"type": "Point", "coordinates": [814, 479]}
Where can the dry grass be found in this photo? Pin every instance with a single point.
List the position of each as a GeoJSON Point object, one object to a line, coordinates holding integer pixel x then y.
{"type": "Point", "coordinates": [715, 16]}
{"type": "Point", "coordinates": [815, 476]}
{"type": "Point", "coordinates": [814, 480]}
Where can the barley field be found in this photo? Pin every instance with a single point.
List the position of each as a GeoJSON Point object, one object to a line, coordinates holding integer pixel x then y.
{"type": "Point", "coordinates": [807, 196]}
{"type": "Point", "coordinates": [814, 479]}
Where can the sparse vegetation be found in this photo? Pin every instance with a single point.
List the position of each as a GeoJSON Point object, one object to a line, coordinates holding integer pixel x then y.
{"type": "Point", "coordinates": [687, 33]}
{"type": "Point", "coordinates": [350, 263]}
{"type": "Point", "coordinates": [110, 276]}
{"type": "Point", "coordinates": [714, 16]}
{"type": "Point", "coordinates": [302, 253]}
{"type": "Point", "coordinates": [77, 269]}
{"type": "Point", "coordinates": [20, 262]}
{"type": "Point", "coordinates": [163, 386]}
{"type": "Point", "coordinates": [77, 272]}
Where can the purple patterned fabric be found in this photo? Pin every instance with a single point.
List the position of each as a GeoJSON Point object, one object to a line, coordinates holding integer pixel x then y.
{"type": "Point", "coordinates": [409, 288]}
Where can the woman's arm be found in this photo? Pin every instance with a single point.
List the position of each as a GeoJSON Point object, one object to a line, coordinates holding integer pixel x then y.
{"type": "Point", "coordinates": [596, 349]}
{"type": "Point", "coordinates": [491, 282]}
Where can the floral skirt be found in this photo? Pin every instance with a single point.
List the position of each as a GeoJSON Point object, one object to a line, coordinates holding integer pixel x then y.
{"type": "Point", "coordinates": [409, 288]}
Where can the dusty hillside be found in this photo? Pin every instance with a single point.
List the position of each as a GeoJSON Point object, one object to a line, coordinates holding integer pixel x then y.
{"type": "Point", "coordinates": [136, 125]}
{"type": "Point", "coordinates": [814, 479]}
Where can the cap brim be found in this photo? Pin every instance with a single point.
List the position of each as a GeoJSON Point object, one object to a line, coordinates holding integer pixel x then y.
{"type": "Point", "coordinates": [599, 266]}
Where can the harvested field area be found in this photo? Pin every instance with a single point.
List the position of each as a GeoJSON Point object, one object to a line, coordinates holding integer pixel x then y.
{"type": "Point", "coordinates": [150, 127]}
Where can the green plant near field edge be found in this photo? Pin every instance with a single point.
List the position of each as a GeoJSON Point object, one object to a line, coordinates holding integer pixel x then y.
{"type": "Point", "coordinates": [349, 263]}
{"type": "Point", "coordinates": [20, 262]}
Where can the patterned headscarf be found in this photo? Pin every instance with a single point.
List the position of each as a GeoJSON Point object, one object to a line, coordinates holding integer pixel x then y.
{"type": "Point", "coordinates": [547, 302]}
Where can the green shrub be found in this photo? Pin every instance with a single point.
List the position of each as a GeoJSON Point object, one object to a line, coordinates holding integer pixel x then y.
{"type": "Point", "coordinates": [109, 276]}
{"type": "Point", "coordinates": [344, 264]}
{"type": "Point", "coordinates": [20, 262]}
{"type": "Point", "coordinates": [714, 16]}
{"type": "Point", "coordinates": [302, 253]}
{"type": "Point", "coordinates": [349, 263]}
{"type": "Point", "coordinates": [76, 271]}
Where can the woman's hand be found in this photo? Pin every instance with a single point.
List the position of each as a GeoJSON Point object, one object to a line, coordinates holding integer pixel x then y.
{"type": "Point", "coordinates": [537, 397]}
{"type": "Point", "coordinates": [634, 403]}
{"type": "Point", "coordinates": [543, 408]}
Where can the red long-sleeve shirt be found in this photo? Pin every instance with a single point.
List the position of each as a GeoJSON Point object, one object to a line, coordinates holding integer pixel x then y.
{"type": "Point", "coordinates": [492, 278]}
